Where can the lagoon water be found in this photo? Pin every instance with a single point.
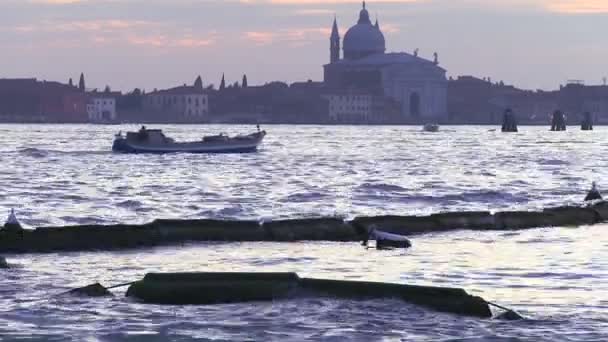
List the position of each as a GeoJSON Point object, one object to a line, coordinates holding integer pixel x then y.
{"type": "Point", "coordinates": [66, 174]}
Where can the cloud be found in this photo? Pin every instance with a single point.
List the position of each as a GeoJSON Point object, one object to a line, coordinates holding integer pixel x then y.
{"type": "Point", "coordinates": [324, 2]}
{"type": "Point", "coordinates": [313, 11]}
{"type": "Point", "coordinates": [106, 25]}
{"type": "Point", "coordinates": [293, 36]}
{"type": "Point", "coordinates": [168, 41]}
{"type": "Point", "coordinates": [577, 6]}
{"type": "Point", "coordinates": [55, 2]}
{"type": "Point", "coordinates": [118, 31]}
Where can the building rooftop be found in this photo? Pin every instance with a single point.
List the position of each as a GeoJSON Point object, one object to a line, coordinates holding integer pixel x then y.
{"type": "Point", "coordinates": [381, 59]}
{"type": "Point", "coordinates": [181, 90]}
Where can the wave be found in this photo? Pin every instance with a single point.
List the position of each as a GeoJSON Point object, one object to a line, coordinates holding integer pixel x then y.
{"type": "Point", "coordinates": [552, 162]}
{"type": "Point", "coordinates": [303, 197]}
{"type": "Point", "coordinates": [129, 204]}
{"type": "Point", "coordinates": [43, 153]}
{"type": "Point", "coordinates": [490, 197]}
{"type": "Point", "coordinates": [34, 152]}
{"type": "Point", "coordinates": [383, 187]}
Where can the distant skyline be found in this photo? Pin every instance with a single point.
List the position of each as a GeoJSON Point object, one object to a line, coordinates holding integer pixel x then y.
{"type": "Point", "coordinates": [157, 44]}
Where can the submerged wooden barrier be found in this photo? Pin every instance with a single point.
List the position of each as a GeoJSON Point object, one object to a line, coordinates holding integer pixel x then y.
{"type": "Point", "coordinates": [217, 288]}
{"type": "Point", "coordinates": [167, 232]}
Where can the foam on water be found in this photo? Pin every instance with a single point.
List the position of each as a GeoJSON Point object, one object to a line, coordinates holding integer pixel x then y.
{"type": "Point", "coordinates": [56, 175]}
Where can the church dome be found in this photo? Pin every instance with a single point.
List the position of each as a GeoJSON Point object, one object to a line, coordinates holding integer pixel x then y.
{"type": "Point", "coordinates": [363, 39]}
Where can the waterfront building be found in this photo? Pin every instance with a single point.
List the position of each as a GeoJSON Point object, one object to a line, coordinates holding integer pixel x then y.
{"type": "Point", "coordinates": [355, 107]}
{"type": "Point", "coordinates": [417, 85]}
{"type": "Point", "coordinates": [180, 104]}
{"type": "Point", "coordinates": [102, 107]}
{"type": "Point", "coordinates": [31, 100]}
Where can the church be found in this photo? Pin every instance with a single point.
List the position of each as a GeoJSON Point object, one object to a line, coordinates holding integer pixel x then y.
{"type": "Point", "coordinates": [366, 79]}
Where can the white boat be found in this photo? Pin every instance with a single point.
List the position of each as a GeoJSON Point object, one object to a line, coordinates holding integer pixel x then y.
{"type": "Point", "coordinates": [385, 240]}
{"type": "Point", "coordinates": [430, 127]}
{"type": "Point", "coordinates": [154, 141]}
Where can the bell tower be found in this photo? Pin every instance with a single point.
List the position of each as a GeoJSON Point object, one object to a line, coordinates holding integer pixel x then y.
{"type": "Point", "coordinates": [334, 43]}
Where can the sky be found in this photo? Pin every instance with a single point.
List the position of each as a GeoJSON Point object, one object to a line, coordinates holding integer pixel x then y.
{"type": "Point", "coordinates": [532, 44]}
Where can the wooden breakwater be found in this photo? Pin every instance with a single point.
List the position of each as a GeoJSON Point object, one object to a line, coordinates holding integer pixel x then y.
{"type": "Point", "coordinates": [167, 232]}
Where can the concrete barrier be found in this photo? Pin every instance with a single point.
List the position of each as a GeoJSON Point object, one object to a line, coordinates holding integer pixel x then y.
{"type": "Point", "coordinates": [572, 216]}
{"type": "Point", "coordinates": [450, 300]}
{"type": "Point", "coordinates": [90, 237]}
{"type": "Point", "coordinates": [209, 230]}
{"type": "Point", "coordinates": [475, 220]}
{"type": "Point", "coordinates": [94, 290]}
{"type": "Point", "coordinates": [166, 232]}
{"type": "Point", "coordinates": [212, 288]}
{"type": "Point", "coordinates": [216, 288]}
{"type": "Point", "coordinates": [552, 217]}
{"type": "Point", "coordinates": [601, 208]}
{"type": "Point", "coordinates": [506, 220]}
{"type": "Point", "coordinates": [3, 263]}
{"type": "Point", "coordinates": [402, 225]}
{"type": "Point", "coordinates": [316, 229]}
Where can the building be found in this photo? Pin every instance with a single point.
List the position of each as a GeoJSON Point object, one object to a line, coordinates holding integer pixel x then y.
{"type": "Point", "coordinates": [30, 100]}
{"type": "Point", "coordinates": [351, 107]}
{"type": "Point", "coordinates": [179, 104]}
{"type": "Point", "coordinates": [102, 107]}
{"type": "Point", "coordinates": [417, 85]}
{"type": "Point", "coordinates": [479, 101]}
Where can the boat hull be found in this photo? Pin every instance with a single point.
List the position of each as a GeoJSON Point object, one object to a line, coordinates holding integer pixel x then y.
{"type": "Point", "coordinates": [122, 145]}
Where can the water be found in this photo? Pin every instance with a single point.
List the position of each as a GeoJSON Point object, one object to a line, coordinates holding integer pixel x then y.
{"type": "Point", "coordinates": [58, 175]}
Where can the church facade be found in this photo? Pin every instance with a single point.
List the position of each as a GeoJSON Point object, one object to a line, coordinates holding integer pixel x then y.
{"type": "Point", "coordinates": [411, 88]}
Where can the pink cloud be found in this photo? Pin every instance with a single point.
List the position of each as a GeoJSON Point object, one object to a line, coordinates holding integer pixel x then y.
{"type": "Point", "coordinates": [134, 32]}
{"type": "Point", "coordinates": [578, 6]}
{"type": "Point", "coordinates": [292, 36]}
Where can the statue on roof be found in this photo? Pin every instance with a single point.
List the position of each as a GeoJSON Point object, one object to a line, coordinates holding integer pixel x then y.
{"type": "Point", "coordinates": [436, 58]}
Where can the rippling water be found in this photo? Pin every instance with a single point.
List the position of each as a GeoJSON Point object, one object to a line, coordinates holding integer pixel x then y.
{"type": "Point", "coordinates": [66, 175]}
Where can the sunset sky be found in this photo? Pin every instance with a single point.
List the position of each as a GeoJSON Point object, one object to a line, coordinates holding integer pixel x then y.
{"type": "Point", "coordinates": [161, 43]}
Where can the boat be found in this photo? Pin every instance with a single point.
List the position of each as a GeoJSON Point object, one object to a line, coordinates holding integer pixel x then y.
{"type": "Point", "coordinates": [430, 127]}
{"type": "Point", "coordinates": [155, 141]}
{"type": "Point", "coordinates": [386, 240]}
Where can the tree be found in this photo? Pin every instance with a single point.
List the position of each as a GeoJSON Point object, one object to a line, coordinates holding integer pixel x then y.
{"type": "Point", "coordinates": [223, 83]}
{"type": "Point", "coordinates": [81, 84]}
{"type": "Point", "coordinates": [198, 84]}
{"type": "Point", "coordinates": [244, 83]}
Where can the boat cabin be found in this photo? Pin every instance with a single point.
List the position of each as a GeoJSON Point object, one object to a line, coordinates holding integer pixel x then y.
{"type": "Point", "coordinates": [151, 136]}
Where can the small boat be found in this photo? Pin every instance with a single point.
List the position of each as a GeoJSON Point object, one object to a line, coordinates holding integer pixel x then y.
{"type": "Point", "coordinates": [154, 141]}
{"type": "Point", "coordinates": [386, 240]}
{"type": "Point", "coordinates": [430, 127]}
